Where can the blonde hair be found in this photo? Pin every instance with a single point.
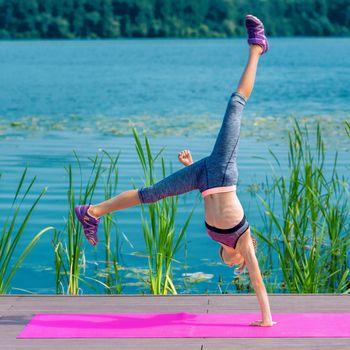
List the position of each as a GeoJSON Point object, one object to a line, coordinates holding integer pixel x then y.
{"type": "Point", "coordinates": [240, 269]}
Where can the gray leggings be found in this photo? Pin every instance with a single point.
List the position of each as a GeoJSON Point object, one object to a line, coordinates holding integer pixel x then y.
{"type": "Point", "coordinates": [216, 170]}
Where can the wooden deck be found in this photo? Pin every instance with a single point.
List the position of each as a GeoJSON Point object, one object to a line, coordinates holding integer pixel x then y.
{"type": "Point", "coordinates": [16, 311]}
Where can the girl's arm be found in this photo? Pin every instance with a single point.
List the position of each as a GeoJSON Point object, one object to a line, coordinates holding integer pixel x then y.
{"type": "Point", "coordinates": [248, 253]}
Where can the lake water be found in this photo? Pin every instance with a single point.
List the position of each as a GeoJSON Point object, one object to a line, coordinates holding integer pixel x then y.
{"type": "Point", "coordinates": [60, 96]}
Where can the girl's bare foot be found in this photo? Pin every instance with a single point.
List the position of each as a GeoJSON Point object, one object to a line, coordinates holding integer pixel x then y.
{"type": "Point", "coordinates": [185, 157]}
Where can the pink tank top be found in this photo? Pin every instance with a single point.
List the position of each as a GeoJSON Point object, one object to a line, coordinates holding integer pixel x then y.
{"type": "Point", "coordinates": [218, 190]}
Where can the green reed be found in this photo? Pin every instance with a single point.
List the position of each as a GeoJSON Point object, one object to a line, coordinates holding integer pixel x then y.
{"type": "Point", "coordinates": [309, 229]}
{"type": "Point", "coordinates": [11, 236]}
{"type": "Point", "coordinates": [70, 261]}
{"type": "Point", "coordinates": [111, 272]}
{"type": "Point", "coordinates": [159, 232]}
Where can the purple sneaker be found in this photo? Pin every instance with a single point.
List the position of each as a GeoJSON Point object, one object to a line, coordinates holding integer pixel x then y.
{"type": "Point", "coordinates": [256, 32]}
{"type": "Point", "coordinates": [89, 223]}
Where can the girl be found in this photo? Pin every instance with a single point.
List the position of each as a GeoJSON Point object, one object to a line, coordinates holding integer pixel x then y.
{"type": "Point", "coordinates": [215, 176]}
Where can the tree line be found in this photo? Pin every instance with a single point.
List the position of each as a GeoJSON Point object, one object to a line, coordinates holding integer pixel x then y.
{"type": "Point", "coordinates": [22, 19]}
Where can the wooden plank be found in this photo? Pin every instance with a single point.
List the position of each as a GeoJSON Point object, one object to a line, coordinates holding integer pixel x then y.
{"type": "Point", "coordinates": [277, 343]}
{"type": "Point", "coordinates": [281, 303]}
{"type": "Point", "coordinates": [97, 309]}
{"type": "Point", "coordinates": [110, 304]}
{"type": "Point", "coordinates": [112, 300]}
{"type": "Point", "coordinates": [100, 344]}
{"type": "Point", "coordinates": [6, 303]}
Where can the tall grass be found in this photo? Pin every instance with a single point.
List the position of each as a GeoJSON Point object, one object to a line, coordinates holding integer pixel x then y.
{"type": "Point", "coordinates": [347, 128]}
{"type": "Point", "coordinates": [113, 279]}
{"type": "Point", "coordinates": [11, 235]}
{"type": "Point", "coordinates": [70, 261]}
{"type": "Point", "coordinates": [307, 218]}
{"type": "Point", "coordinates": [159, 230]}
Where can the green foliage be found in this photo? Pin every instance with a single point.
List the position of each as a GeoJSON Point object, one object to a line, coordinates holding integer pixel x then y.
{"type": "Point", "coordinates": [347, 128]}
{"type": "Point", "coordinates": [168, 18]}
{"type": "Point", "coordinates": [310, 231]}
{"type": "Point", "coordinates": [11, 235]}
{"type": "Point", "coordinates": [159, 231]}
{"type": "Point", "coordinates": [111, 273]}
{"type": "Point", "coordinates": [70, 261]}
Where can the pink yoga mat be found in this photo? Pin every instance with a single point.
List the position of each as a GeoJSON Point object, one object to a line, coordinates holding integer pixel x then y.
{"type": "Point", "coordinates": [186, 325]}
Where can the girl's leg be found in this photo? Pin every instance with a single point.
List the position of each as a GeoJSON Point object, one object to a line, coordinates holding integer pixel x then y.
{"type": "Point", "coordinates": [222, 161]}
{"type": "Point", "coordinates": [246, 83]}
{"type": "Point", "coordinates": [184, 180]}
{"type": "Point", "coordinates": [121, 201]}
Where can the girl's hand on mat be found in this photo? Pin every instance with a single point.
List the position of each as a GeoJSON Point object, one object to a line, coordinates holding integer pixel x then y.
{"type": "Point", "coordinates": [263, 324]}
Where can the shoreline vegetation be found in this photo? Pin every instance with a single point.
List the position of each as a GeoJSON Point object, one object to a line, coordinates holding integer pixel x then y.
{"type": "Point", "coordinates": [260, 128]}
{"type": "Point", "coordinates": [91, 19]}
{"type": "Point", "coordinates": [303, 246]}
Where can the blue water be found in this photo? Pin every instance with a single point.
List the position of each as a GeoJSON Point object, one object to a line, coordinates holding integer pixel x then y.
{"type": "Point", "coordinates": [161, 78]}
{"type": "Point", "coordinates": [60, 96]}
